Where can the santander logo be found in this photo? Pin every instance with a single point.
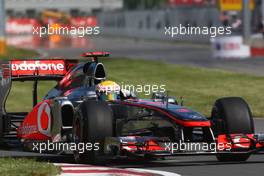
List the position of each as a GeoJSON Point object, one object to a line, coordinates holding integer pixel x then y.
{"type": "Point", "coordinates": [41, 67]}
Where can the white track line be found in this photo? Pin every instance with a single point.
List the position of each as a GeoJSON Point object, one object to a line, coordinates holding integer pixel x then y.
{"type": "Point", "coordinates": [90, 170]}
{"type": "Point", "coordinates": [156, 172]}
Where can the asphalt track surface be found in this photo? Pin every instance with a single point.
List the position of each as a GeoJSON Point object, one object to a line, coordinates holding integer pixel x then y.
{"type": "Point", "coordinates": [184, 54]}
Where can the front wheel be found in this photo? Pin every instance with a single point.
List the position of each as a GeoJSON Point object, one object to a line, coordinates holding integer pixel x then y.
{"type": "Point", "coordinates": [93, 122]}
{"type": "Point", "coordinates": [232, 115]}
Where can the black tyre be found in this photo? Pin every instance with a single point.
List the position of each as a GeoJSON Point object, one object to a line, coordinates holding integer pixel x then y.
{"type": "Point", "coordinates": [93, 122]}
{"type": "Point", "coordinates": [232, 115]}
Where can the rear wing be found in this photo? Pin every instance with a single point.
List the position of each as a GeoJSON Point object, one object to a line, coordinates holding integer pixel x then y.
{"type": "Point", "coordinates": [43, 69]}
{"type": "Point", "coordinates": [30, 70]}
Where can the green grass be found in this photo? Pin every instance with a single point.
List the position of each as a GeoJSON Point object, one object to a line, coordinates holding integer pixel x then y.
{"type": "Point", "coordinates": [199, 87]}
{"type": "Point", "coordinates": [20, 97]}
{"type": "Point", "coordinates": [18, 53]}
{"type": "Point", "coordinates": [25, 167]}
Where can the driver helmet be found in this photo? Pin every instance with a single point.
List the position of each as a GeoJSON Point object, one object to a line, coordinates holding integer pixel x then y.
{"type": "Point", "coordinates": [108, 90]}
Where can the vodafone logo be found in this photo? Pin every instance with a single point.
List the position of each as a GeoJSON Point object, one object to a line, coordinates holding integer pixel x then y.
{"type": "Point", "coordinates": [37, 65]}
{"type": "Point", "coordinates": [42, 67]}
{"type": "Point", "coordinates": [44, 112]}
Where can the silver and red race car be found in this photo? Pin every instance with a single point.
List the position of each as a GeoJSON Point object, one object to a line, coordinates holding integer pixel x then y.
{"type": "Point", "coordinates": [73, 118]}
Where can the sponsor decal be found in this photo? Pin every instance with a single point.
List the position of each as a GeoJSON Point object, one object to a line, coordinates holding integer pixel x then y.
{"type": "Point", "coordinates": [28, 129]}
{"type": "Point", "coordinates": [38, 67]}
{"type": "Point", "coordinates": [37, 124]}
{"type": "Point", "coordinates": [44, 119]}
{"type": "Point", "coordinates": [21, 25]}
{"type": "Point", "coordinates": [183, 110]}
{"type": "Point", "coordinates": [84, 21]}
{"type": "Point", "coordinates": [237, 5]}
{"type": "Point", "coordinates": [241, 142]}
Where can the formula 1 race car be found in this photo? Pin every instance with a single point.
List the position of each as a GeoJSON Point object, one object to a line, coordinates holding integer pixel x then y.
{"type": "Point", "coordinates": [95, 126]}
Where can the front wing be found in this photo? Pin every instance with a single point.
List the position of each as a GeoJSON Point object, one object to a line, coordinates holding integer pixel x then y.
{"type": "Point", "coordinates": [146, 146]}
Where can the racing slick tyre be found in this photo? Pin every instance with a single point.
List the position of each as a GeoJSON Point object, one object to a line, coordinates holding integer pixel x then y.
{"type": "Point", "coordinates": [232, 115]}
{"type": "Point", "coordinates": [91, 124]}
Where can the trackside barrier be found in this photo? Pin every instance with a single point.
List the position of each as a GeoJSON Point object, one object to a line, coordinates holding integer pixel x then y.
{"type": "Point", "coordinates": [230, 47]}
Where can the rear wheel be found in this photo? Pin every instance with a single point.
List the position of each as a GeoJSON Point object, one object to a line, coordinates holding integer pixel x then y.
{"type": "Point", "coordinates": [92, 124]}
{"type": "Point", "coordinates": [232, 115]}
